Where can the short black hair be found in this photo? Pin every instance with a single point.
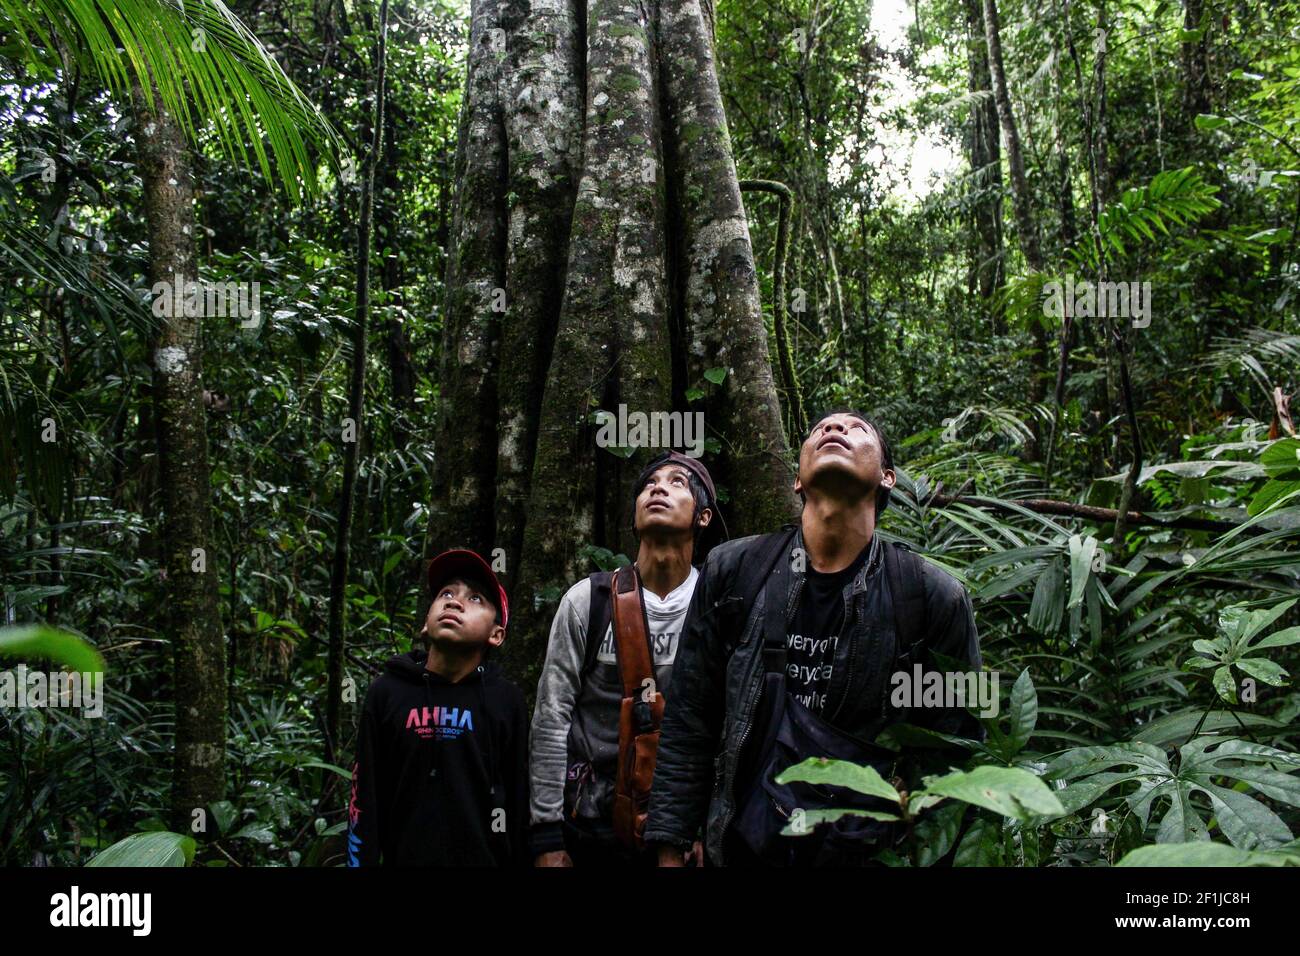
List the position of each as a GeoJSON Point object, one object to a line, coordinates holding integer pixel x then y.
{"type": "Point", "coordinates": [886, 455]}
{"type": "Point", "coordinates": [698, 492]}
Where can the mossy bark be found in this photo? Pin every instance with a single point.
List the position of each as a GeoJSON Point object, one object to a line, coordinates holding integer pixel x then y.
{"type": "Point", "coordinates": [465, 471]}
{"type": "Point", "coordinates": [595, 183]}
{"type": "Point", "coordinates": [719, 283]}
{"type": "Point", "coordinates": [189, 560]}
{"type": "Point", "coordinates": [544, 122]}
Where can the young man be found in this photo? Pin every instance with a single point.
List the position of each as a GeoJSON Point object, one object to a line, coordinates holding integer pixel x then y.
{"type": "Point", "coordinates": [790, 645]}
{"type": "Point", "coordinates": [575, 732]}
{"type": "Point", "coordinates": [440, 776]}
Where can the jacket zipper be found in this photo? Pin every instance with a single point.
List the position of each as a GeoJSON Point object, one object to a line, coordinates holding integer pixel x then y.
{"type": "Point", "coordinates": [853, 646]}
{"type": "Point", "coordinates": [744, 734]}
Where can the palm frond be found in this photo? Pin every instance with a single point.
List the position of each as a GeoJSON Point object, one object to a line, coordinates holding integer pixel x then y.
{"type": "Point", "coordinates": [1176, 197]}
{"type": "Point", "coordinates": [199, 59]}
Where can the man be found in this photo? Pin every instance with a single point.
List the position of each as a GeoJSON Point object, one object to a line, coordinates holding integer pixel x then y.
{"type": "Point", "coordinates": [441, 772]}
{"type": "Point", "coordinates": [575, 732]}
{"type": "Point", "coordinates": [790, 644]}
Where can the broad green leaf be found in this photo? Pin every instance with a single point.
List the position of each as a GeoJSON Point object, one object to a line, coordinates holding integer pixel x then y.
{"type": "Point", "coordinates": [715, 375]}
{"type": "Point", "coordinates": [1081, 554]}
{"type": "Point", "coordinates": [224, 812]}
{"type": "Point", "coordinates": [1225, 685]}
{"type": "Point", "coordinates": [1009, 791]}
{"type": "Point", "coordinates": [1246, 822]}
{"type": "Point", "coordinates": [1284, 638]}
{"type": "Point", "coordinates": [1178, 726]}
{"type": "Point", "coordinates": [1262, 669]}
{"type": "Point", "coordinates": [334, 768]}
{"type": "Point", "coordinates": [812, 818]}
{"type": "Point", "coordinates": [1204, 853]}
{"type": "Point", "coordinates": [1273, 492]}
{"type": "Point", "coordinates": [935, 833]}
{"type": "Point", "coordinates": [1048, 604]}
{"type": "Point", "coordinates": [1023, 716]}
{"type": "Point", "coordinates": [32, 642]}
{"type": "Point", "coordinates": [1282, 459]}
{"type": "Point", "coordinates": [256, 833]}
{"type": "Point", "coordinates": [840, 773]}
{"type": "Point", "coordinates": [160, 848]}
{"type": "Point", "coordinates": [981, 846]}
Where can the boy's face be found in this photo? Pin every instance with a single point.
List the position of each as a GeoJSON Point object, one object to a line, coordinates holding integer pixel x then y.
{"type": "Point", "coordinates": [842, 449]}
{"type": "Point", "coordinates": [665, 502]}
{"type": "Point", "coordinates": [462, 615]}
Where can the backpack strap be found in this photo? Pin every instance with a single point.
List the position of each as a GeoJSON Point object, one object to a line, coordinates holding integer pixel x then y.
{"type": "Point", "coordinates": [599, 615]}
{"type": "Point", "coordinates": [763, 558]}
{"type": "Point", "coordinates": [762, 563]}
{"type": "Point", "coordinates": [907, 591]}
{"type": "Point", "coordinates": [640, 713]}
{"type": "Point", "coordinates": [776, 590]}
{"type": "Point", "coordinates": [631, 631]}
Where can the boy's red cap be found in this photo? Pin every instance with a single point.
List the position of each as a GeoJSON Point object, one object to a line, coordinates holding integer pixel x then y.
{"type": "Point", "coordinates": [464, 562]}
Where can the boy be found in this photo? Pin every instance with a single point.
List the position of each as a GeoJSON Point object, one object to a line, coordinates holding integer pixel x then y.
{"type": "Point", "coordinates": [441, 772]}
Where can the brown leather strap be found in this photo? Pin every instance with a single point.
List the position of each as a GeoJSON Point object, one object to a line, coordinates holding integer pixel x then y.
{"type": "Point", "coordinates": [631, 631]}
{"type": "Point", "coordinates": [641, 712]}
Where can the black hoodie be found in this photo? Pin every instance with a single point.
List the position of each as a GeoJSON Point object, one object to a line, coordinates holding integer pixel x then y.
{"type": "Point", "coordinates": [441, 776]}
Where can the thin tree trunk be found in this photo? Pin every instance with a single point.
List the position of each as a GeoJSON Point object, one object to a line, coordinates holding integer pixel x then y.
{"type": "Point", "coordinates": [1069, 236]}
{"type": "Point", "coordinates": [188, 557]}
{"type": "Point", "coordinates": [1195, 64]}
{"type": "Point", "coordinates": [356, 410]}
{"type": "Point", "coordinates": [401, 374]}
{"type": "Point", "coordinates": [1021, 198]}
{"type": "Point", "coordinates": [985, 154]}
{"type": "Point", "coordinates": [785, 355]}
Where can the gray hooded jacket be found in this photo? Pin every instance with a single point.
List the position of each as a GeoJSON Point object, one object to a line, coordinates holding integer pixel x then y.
{"type": "Point", "coordinates": [573, 748]}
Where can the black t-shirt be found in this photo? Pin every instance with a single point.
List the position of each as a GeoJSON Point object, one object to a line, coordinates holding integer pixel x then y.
{"type": "Point", "coordinates": [814, 632]}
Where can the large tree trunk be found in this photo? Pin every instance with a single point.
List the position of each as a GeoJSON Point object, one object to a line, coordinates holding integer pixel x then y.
{"type": "Point", "coordinates": [466, 442]}
{"type": "Point", "coordinates": [599, 256]}
{"type": "Point", "coordinates": [188, 558]}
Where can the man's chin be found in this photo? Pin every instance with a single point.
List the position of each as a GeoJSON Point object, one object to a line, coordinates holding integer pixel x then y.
{"type": "Point", "coordinates": [661, 522]}
{"type": "Point", "coordinates": [837, 476]}
{"type": "Point", "coordinates": [447, 639]}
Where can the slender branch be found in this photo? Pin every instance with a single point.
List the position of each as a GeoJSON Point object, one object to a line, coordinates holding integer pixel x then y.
{"type": "Point", "coordinates": [789, 379]}
{"type": "Point", "coordinates": [1070, 509]}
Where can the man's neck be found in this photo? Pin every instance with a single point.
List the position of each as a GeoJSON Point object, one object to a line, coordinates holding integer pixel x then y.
{"type": "Point", "coordinates": [835, 530]}
{"type": "Point", "coordinates": [663, 564]}
{"type": "Point", "coordinates": [454, 667]}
